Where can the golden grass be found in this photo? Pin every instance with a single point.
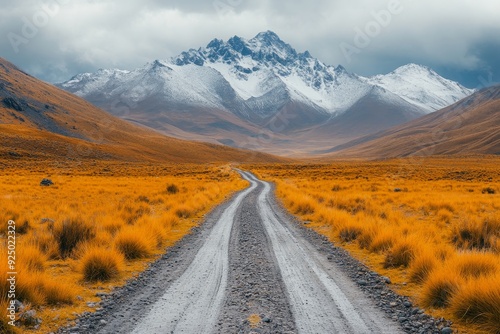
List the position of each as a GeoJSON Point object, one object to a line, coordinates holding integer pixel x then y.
{"type": "Point", "coordinates": [101, 264]}
{"type": "Point", "coordinates": [473, 265]}
{"type": "Point", "coordinates": [478, 302]}
{"type": "Point", "coordinates": [72, 231]}
{"type": "Point", "coordinates": [402, 253]}
{"type": "Point", "coordinates": [134, 243]}
{"type": "Point", "coordinates": [477, 233]}
{"type": "Point", "coordinates": [439, 287]}
{"type": "Point", "coordinates": [97, 226]}
{"type": "Point", "coordinates": [428, 224]}
{"type": "Point", "coordinates": [423, 264]}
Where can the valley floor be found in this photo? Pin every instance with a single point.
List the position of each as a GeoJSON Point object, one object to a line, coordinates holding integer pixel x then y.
{"type": "Point", "coordinates": [92, 246]}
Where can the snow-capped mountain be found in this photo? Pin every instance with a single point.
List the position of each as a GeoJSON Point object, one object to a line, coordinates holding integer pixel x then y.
{"type": "Point", "coordinates": [422, 87]}
{"type": "Point", "coordinates": [260, 80]}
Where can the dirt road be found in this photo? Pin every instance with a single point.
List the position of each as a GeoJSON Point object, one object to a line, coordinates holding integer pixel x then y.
{"type": "Point", "coordinates": [250, 269]}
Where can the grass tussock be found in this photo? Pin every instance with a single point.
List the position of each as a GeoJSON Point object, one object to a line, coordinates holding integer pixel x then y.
{"type": "Point", "coordinates": [172, 189]}
{"type": "Point", "coordinates": [478, 233]}
{"type": "Point", "coordinates": [439, 288]}
{"type": "Point", "coordinates": [350, 232]}
{"type": "Point", "coordinates": [70, 232]}
{"type": "Point", "coordinates": [382, 241]}
{"type": "Point", "coordinates": [478, 302]}
{"type": "Point", "coordinates": [30, 257]}
{"type": "Point", "coordinates": [401, 254]}
{"type": "Point", "coordinates": [134, 243]}
{"type": "Point", "coordinates": [472, 265]}
{"type": "Point", "coordinates": [423, 264]}
{"type": "Point", "coordinates": [101, 264]}
{"type": "Point", "coordinates": [37, 288]}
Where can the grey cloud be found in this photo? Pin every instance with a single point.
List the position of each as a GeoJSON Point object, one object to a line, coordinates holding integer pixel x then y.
{"type": "Point", "coordinates": [85, 35]}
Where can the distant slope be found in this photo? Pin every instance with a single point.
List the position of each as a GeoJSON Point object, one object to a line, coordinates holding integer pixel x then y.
{"type": "Point", "coordinates": [38, 120]}
{"type": "Point", "coordinates": [470, 126]}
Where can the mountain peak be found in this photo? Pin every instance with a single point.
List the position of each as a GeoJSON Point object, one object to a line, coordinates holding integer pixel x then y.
{"type": "Point", "coordinates": [268, 35]}
{"type": "Point", "coordinates": [413, 68]}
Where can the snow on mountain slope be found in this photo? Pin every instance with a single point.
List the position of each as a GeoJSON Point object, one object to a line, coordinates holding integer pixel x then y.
{"type": "Point", "coordinates": [183, 85]}
{"type": "Point", "coordinates": [261, 76]}
{"type": "Point", "coordinates": [257, 66]}
{"type": "Point", "coordinates": [422, 87]}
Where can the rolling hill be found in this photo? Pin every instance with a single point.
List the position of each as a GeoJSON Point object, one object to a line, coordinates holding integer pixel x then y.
{"type": "Point", "coordinates": [470, 126]}
{"type": "Point", "coordinates": [38, 120]}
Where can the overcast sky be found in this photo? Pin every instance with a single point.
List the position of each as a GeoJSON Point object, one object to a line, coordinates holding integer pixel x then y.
{"type": "Point", "coordinates": [56, 39]}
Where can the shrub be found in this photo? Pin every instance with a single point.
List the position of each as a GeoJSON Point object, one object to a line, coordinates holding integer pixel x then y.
{"type": "Point", "coordinates": [478, 302]}
{"type": "Point", "coordinates": [70, 233]}
{"type": "Point", "coordinates": [100, 264]}
{"type": "Point", "coordinates": [133, 243]}
{"type": "Point", "coordinates": [439, 287]}
{"type": "Point", "coordinates": [172, 189]}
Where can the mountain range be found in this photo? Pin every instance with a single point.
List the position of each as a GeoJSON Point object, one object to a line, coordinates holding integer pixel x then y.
{"type": "Point", "coordinates": [262, 94]}
{"type": "Point", "coordinates": [41, 122]}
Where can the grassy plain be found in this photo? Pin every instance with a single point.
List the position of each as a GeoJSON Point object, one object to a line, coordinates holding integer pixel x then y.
{"type": "Point", "coordinates": [431, 224]}
{"type": "Point", "coordinates": [96, 227]}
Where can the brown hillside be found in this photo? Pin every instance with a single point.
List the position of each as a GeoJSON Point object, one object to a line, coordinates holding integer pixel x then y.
{"type": "Point", "coordinates": [471, 126]}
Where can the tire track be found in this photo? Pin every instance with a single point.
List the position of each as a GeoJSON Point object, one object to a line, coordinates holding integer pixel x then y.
{"type": "Point", "coordinates": [322, 299]}
{"type": "Point", "coordinates": [192, 303]}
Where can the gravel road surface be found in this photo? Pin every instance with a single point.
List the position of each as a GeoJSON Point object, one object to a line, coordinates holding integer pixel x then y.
{"type": "Point", "coordinates": [253, 268]}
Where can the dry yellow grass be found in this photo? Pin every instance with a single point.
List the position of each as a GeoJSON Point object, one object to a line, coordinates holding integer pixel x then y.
{"type": "Point", "coordinates": [432, 225]}
{"type": "Point", "coordinates": [99, 264]}
{"type": "Point", "coordinates": [97, 226]}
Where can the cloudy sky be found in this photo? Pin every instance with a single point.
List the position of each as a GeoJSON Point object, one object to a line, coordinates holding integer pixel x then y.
{"type": "Point", "coordinates": [56, 39]}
